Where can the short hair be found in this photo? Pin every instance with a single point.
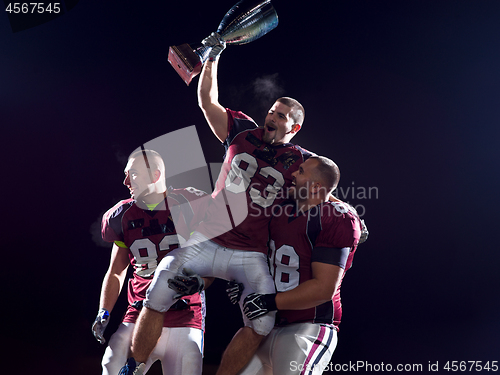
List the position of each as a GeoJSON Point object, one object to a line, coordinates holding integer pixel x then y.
{"type": "Point", "coordinates": [327, 172]}
{"type": "Point", "coordinates": [152, 159]}
{"type": "Point", "coordinates": [298, 113]}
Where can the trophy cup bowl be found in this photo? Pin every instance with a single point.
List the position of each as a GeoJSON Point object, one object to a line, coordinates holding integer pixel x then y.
{"type": "Point", "coordinates": [245, 22]}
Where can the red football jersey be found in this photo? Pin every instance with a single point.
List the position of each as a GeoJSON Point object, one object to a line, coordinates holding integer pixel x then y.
{"type": "Point", "coordinates": [253, 178]}
{"type": "Point", "coordinates": [149, 236]}
{"type": "Point", "coordinates": [294, 238]}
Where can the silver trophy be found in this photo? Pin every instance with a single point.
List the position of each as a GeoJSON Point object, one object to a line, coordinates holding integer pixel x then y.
{"type": "Point", "coordinates": [245, 22]}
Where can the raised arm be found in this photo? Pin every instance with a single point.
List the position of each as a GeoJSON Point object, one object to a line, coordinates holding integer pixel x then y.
{"type": "Point", "coordinates": [208, 100]}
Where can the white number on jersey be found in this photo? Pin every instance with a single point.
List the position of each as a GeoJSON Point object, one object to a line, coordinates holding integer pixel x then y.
{"type": "Point", "coordinates": [238, 179]}
{"type": "Point", "coordinates": [286, 275]}
{"type": "Point", "coordinates": [147, 262]}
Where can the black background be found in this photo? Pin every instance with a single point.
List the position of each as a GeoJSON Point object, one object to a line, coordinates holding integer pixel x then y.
{"type": "Point", "coordinates": [403, 95]}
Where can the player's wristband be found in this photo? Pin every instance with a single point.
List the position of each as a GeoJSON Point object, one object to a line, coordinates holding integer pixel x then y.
{"type": "Point", "coordinates": [103, 314]}
{"type": "Point", "coordinates": [270, 301]}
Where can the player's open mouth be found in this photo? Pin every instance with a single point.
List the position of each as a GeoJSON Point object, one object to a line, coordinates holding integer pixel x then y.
{"type": "Point", "coordinates": [270, 129]}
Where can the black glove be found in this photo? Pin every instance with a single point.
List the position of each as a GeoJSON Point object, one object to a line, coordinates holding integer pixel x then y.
{"type": "Point", "coordinates": [255, 305]}
{"type": "Point", "coordinates": [100, 323]}
{"type": "Point", "coordinates": [186, 283]}
{"type": "Point", "coordinates": [234, 290]}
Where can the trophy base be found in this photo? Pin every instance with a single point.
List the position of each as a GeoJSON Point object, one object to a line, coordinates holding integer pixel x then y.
{"type": "Point", "coordinates": [185, 62]}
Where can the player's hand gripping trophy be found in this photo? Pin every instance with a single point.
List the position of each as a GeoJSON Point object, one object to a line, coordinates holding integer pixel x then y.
{"type": "Point", "coordinates": [245, 22]}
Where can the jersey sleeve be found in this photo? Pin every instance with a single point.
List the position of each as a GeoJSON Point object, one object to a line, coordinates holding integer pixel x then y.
{"type": "Point", "coordinates": [236, 123]}
{"type": "Point", "coordinates": [306, 154]}
{"type": "Point", "coordinates": [340, 229]}
{"type": "Point", "coordinates": [111, 226]}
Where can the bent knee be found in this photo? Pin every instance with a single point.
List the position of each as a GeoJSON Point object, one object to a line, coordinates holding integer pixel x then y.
{"type": "Point", "coordinates": [263, 325]}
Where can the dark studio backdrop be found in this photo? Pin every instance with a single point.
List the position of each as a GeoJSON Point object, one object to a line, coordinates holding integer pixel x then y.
{"type": "Point", "coordinates": [403, 95]}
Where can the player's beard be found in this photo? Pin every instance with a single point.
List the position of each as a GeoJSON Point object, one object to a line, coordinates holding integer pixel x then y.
{"type": "Point", "coordinates": [268, 140]}
{"type": "Point", "coordinates": [269, 137]}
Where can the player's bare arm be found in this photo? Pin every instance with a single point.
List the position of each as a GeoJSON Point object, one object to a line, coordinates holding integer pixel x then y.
{"type": "Point", "coordinates": [319, 289]}
{"type": "Point", "coordinates": [208, 100]}
{"type": "Point", "coordinates": [111, 287]}
{"type": "Point", "coordinates": [114, 278]}
{"type": "Point", "coordinates": [208, 281]}
{"type": "Point", "coordinates": [311, 293]}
